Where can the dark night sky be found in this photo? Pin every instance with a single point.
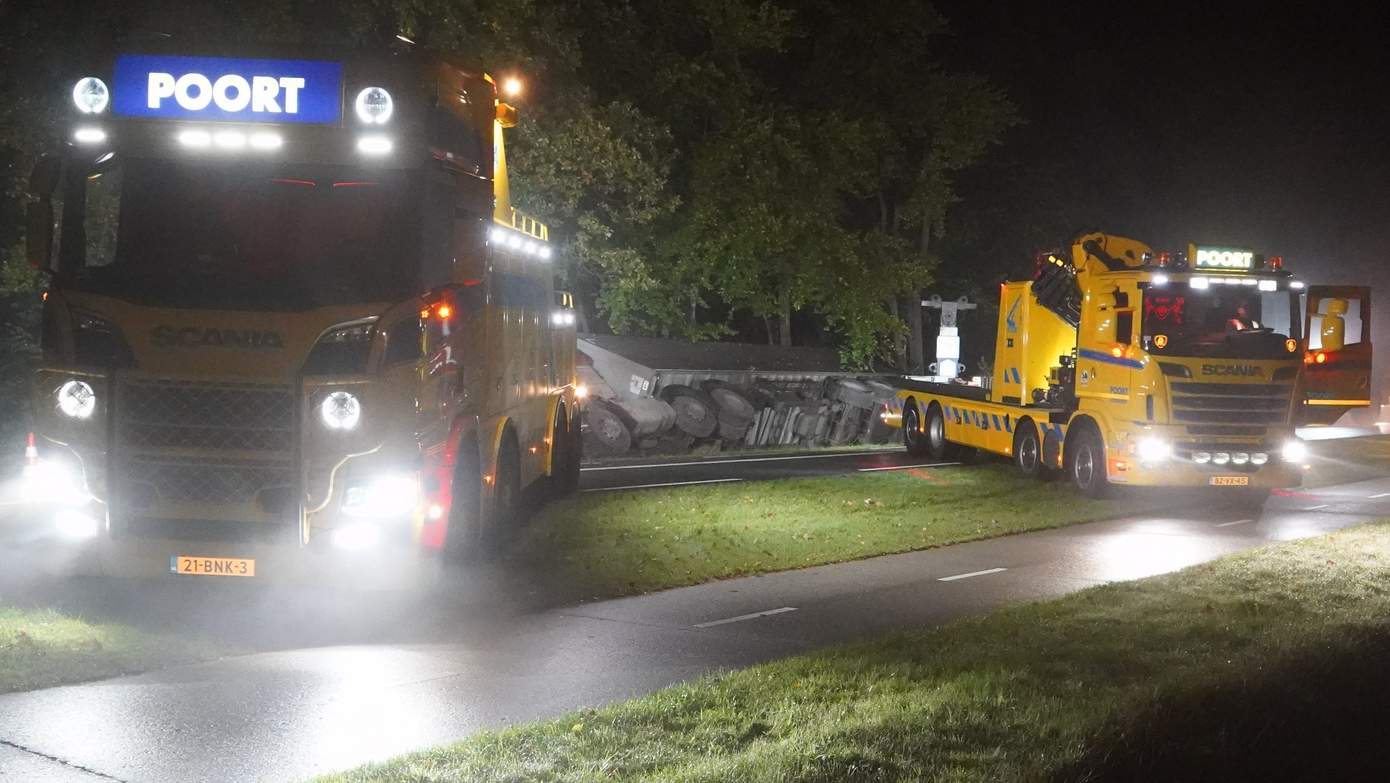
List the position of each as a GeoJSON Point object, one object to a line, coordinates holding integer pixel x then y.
{"type": "Point", "coordinates": [1257, 126]}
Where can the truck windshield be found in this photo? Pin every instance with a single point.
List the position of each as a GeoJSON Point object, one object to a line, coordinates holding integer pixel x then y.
{"type": "Point", "coordinates": [245, 237]}
{"type": "Point", "coordinates": [1238, 322]}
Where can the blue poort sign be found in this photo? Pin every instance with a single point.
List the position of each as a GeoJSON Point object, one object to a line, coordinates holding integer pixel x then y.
{"type": "Point", "coordinates": [228, 90]}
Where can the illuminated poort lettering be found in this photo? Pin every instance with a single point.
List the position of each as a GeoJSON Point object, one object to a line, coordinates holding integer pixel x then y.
{"type": "Point", "coordinates": [1212, 258]}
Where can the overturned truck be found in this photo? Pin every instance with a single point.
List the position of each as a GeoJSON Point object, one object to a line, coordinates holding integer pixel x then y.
{"type": "Point", "coordinates": [652, 395]}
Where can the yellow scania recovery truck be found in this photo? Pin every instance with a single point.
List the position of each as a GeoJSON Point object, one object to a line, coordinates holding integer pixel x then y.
{"type": "Point", "coordinates": [1120, 365]}
{"type": "Point", "coordinates": [293, 318]}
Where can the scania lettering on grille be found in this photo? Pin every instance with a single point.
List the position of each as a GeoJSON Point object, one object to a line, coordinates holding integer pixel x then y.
{"type": "Point", "coordinates": [212, 337]}
{"type": "Point", "coordinates": [1248, 370]}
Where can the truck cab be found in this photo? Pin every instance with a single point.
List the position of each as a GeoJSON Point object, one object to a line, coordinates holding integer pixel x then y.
{"type": "Point", "coordinates": [293, 317]}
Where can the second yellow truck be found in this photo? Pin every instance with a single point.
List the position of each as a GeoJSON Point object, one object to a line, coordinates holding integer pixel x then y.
{"type": "Point", "coordinates": [1120, 365]}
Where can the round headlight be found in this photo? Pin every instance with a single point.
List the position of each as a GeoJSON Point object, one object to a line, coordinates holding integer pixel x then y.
{"type": "Point", "coordinates": [1220, 458]}
{"type": "Point", "coordinates": [374, 106]}
{"type": "Point", "coordinates": [1201, 457]}
{"type": "Point", "coordinates": [340, 410]}
{"type": "Point", "coordinates": [76, 400]}
{"type": "Point", "coordinates": [90, 95]}
{"type": "Point", "coordinates": [1294, 451]}
{"type": "Point", "coordinates": [1240, 458]}
{"type": "Point", "coordinates": [1258, 458]}
{"type": "Point", "coordinates": [1151, 449]}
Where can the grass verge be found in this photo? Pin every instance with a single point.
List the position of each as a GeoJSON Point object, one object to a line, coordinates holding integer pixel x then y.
{"type": "Point", "coordinates": [1265, 665]}
{"type": "Point", "coordinates": [40, 648]}
{"type": "Point", "coordinates": [617, 543]}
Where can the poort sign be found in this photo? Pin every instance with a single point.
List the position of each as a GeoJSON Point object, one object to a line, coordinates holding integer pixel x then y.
{"type": "Point", "coordinates": [228, 90]}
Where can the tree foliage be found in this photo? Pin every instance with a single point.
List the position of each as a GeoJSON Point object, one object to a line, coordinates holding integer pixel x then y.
{"type": "Point", "coordinates": [702, 162]}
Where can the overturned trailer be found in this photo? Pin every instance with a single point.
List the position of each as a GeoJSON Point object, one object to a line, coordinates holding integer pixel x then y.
{"type": "Point", "coordinates": [655, 395]}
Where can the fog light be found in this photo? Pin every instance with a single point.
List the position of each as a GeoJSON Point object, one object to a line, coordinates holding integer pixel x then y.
{"type": "Point", "coordinates": [50, 482]}
{"type": "Point", "coordinates": [1240, 458]}
{"type": "Point", "coordinates": [1220, 458]}
{"type": "Point", "coordinates": [357, 536]}
{"type": "Point", "coordinates": [1152, 449]}
{"type": "Point", "coordinates": [374, 145]}
{"type": "Point", "coordinates": [382, 497]}
{"type": "Point", "coordinates": [1294, 451]}
{"type": "Point", "coordinates": [74, 525]}
{"type": "Point", "coordinates": [1259, 458]}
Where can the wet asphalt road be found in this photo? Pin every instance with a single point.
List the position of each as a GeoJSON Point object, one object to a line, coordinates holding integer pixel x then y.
{"type": "Point", "coordinates": [354, 681]}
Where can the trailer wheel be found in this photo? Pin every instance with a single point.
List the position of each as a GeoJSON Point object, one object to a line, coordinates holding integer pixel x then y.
{"type": "Point", "coordinates": [1027, 451]}
{"type": "Point", "coordinates": [913, 438]}
{"type": "Point", "coordinates": [1085, 454]}
{"type": "Point", "coordinates": [938, 448]}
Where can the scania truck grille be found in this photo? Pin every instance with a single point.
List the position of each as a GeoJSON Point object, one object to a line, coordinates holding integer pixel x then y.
{"type": "Point", "coordinates": [1209, 405]}
{"type": "Point", "coordinates": [218, 481]}
{"type": "Point", "coordinates": [171, 414]}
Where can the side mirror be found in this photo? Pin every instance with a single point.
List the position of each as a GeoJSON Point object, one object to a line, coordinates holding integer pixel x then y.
{"type": "Point", "coordinates": [38, 228]}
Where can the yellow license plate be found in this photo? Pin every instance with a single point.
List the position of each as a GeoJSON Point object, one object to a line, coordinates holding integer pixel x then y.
{"type": "Point", "coordinates": [1229, 481]}
{"type": "Point", "coordinates": [193, 565]}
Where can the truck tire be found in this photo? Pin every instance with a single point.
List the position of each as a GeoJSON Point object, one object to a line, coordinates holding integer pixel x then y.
{"type": "Point", "coordinates": [608, 427]}
{"type": "Point", "coordinates": [938, 448]}
{"type": "Point", "coordinates": [1027, 450]}
{"type": "Point", "coordinates": [1085, 458]}
{"type": "Point", "coordinates": [696, 412]}
{"type": "Point", "coordinates": [913, 437]}
{"type": "Point", "coordinates": [564, 457]}
{"type": "Point", "coordinates": [466, 535]}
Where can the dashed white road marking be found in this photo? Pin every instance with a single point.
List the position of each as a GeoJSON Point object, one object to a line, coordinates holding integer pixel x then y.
{"type": "Point", "coordinates": [742, 617]}
{"type": "Point", "coordinates": [972, 573]}
{"type": "Point", "coordinates": [666, 484]}
{"type": "Point", "coordinates": [906, 467]}
{"type": "Point", "coordinates": [1315, 508]}
{"type": "Point", "coordinates": [742, 459]}
{"type": "Point", "coordinates": [1379, 495]}
{"type": "Point", "coordinates": [1237, 522]}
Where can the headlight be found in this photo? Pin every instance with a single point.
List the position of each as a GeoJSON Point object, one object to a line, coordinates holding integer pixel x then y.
{"type": "Point", "coordinates": [1220, 458]}
{"type": "Point", "coordinates": [1258, 458]}
{"type": "Point", "coordinates": [1201, 457]}
{"type": "Point", "coordinates": [76, 400]}
{"type": "Point", "coordinates": [1294, 451]}
{"type": "Point", "coordinates": [1240, 458]}
{"type": "Point", "coordinates": [340, 410]}
{"type": "Point", "coordinates": [1152, 449]}
{"type": "Point", "coordinates": [90, 95]}
{"type": "Point", "coordinates": [384, 497]}
{"type": "Point", "coordinates": [374, 106]}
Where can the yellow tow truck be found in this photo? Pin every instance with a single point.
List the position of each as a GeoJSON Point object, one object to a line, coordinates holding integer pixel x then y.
{"type": "Point", "coordinates": [293, 323]}
{"type": "Point", "coordinates": [1117, 364]}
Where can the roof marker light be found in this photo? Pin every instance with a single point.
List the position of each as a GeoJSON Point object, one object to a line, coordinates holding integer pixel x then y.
{"type": "Point", "coordinates": [195, 138]}
{"type": "Point", "coordinates": [265, 141]}
{"type": "Point", "coordinates": [229, 139]}
{"type": "Point", "coordinates": [89, 135]}
{"type": "Point", "coordinates": [374, 145]}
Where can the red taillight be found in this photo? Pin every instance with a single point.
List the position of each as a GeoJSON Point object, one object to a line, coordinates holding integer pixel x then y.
{"type": "Point", "coordinates": [1275, 262]}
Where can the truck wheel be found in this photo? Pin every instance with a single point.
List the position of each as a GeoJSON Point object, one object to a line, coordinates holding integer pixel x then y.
{"type": "Point", "coordinates": [465, 536]}
{"type": "Point", "coordinates": [1086, 463]}
{"type": "Point", "coordinates": [564, 458]}
{"type": "Point", "coordinates": [696, 412]}
{"type": "Point", "coordinates": [938, 448]}
{"type": "Point", "coordinates": [913, 438]}
{"type": "Point", "coordinates": [1028, 451]}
